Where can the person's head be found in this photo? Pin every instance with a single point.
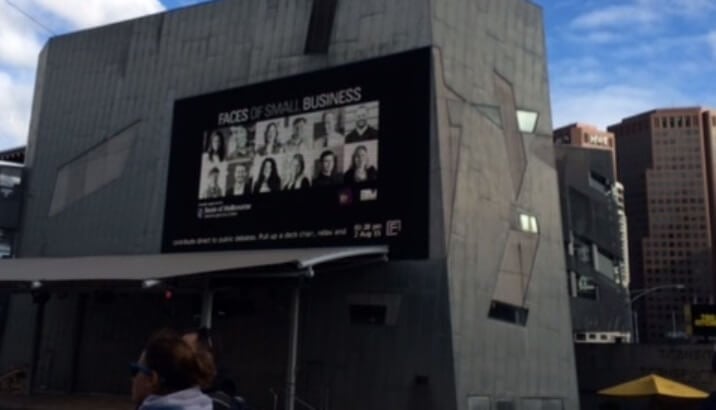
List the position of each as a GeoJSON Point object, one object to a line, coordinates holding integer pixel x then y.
{"type": "Point", "coordinates": [240, 135]}
{"type": "Point", "coordinates": [268, 168]}
{"type": "Point", "coordinates": [216, 144]}
{"type": "Point", "coordinates": [214, 176]}
{"type": "Point", "coordinates": [360, 157]}
{"type": "Point", "coordinates": [361, 117]}
{"type": "Point", "coordinates": [167, 364]}
{"type": "Point", "coordinates": [329, 121]}
{"type": "Point", "coordinates": [299, 126]}
{"type": "Point", "coordinates": [271, 133]}
{"type": "Point", "coordinates": [240, 174]}
{"type": "Point", "coordinates": [328, 163]}
{"type": "Point", "coordinates": [298, 165]}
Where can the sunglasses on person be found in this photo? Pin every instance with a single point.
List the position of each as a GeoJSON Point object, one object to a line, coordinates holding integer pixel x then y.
{"type": "Point", "coordinates": [135, 368]}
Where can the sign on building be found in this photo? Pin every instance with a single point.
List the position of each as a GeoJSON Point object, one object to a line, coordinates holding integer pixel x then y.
{"type": "Point", "coordinates": [330, 158]}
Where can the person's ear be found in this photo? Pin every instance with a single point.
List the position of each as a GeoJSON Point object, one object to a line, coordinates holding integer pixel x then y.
{"type": "Point", "coordinates": [154, 381]}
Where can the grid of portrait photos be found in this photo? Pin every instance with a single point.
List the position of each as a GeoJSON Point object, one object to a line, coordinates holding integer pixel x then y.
{"type": "Point", "coordinates": [337, 146]}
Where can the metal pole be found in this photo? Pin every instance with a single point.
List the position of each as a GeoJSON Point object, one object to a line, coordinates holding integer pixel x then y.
{"type": "Point", "coordinates": [41, 300]}
{"type": "Point", "coordinates": [293, 348]}
{"type": "Point", "coordinates": [673, 324]}
{"type": "Point", "coordinates": [636, 326]}
{"type": "Point", "coordinates": [207, 307]}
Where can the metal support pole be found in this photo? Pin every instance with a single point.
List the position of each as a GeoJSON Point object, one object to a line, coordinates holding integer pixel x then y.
{"type": "Point", "coordinates": [207, 307]}
{"type": "Point", "coordinates": [77, 340]}
{"type": "Point", "coordinates": [41, 301]}
{"type": "Point", "coordinates": [293, 348]}
{"type": "Point", "coordinates": [636, 326]}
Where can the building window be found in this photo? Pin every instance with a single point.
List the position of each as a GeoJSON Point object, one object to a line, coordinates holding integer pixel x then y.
{"type": "Point", "coordinates": [527, 121]}
{"type": "Point", "coordinates": [528, 223]}
{"type": "Point", "coordinates": [508, 313]}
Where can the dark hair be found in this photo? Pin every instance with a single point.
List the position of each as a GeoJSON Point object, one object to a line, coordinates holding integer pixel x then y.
{"type": "Point", "coordinates": [214, 170]}
{"type": "Point", "coordinates": [299, 119]}
{"type": "Point", "coordinates": [266, 131]}
{"type": "Point", "coordinates": [273, 181]}
{"type": "Point", "coordinates": [329, 153]}
{"type": "Point", "coordinates": [210, 147]}
{"type": "Point", "coordinates": [176, 363]}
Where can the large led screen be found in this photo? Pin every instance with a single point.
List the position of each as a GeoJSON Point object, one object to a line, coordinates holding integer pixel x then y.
{"type": "Point", "coordinates": [336, 157]}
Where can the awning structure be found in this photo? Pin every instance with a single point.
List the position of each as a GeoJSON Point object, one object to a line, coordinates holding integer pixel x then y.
{"type": "Point", "coordinates": [654, 385]}
{"type": "Point", "coordinates": [161, 267]}
{"type": "Point", "coordinates": [173, 265]}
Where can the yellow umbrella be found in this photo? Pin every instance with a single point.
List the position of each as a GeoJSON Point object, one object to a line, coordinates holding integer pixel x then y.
{"type": "Point", "coordinates": [654, 385]}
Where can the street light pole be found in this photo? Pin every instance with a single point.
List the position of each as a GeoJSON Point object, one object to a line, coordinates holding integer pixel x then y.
{"type": "Point", "coordinates": [640, 293]}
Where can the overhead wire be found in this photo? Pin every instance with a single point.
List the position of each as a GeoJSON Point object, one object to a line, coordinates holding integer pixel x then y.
{"type": "Point", "coordinates": [29, 16]}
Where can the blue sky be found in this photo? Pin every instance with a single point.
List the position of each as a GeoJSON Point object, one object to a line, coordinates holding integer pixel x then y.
{"type": "Point", "coordinates": [608, 59]}
{"type": "Point", "coordinates": [611, 59]}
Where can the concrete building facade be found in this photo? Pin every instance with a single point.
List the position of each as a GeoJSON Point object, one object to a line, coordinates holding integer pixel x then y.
{"type": "Point", "coordinates": [593, 222]}
{"type": "Point", "coordinates": [665, 161]}
{"type": "Point", "coordinates": [482, 322]}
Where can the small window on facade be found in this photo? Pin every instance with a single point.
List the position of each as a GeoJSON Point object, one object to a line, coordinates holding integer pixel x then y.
{"type": "Point", "coordinates": [672, 123]}
{"type": "Point", "coordinates": [527, 121]}
{"type": "Point", "coordinates": [508, 313]}
{"type": "Point", "coordinates": [528, 223]}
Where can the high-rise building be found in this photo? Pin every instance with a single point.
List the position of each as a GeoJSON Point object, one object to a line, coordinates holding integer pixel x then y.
{"type": "Point", "coordinates": [665, 160]}
{"type": "Point", "coordinates": [593, 225]}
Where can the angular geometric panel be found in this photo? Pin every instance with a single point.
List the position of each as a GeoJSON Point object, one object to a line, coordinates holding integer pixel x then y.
{"type": "Point", "coordinates": [92, 170]}
{"type": "Point", "coordinates": [514, 144]}
{"type": "Point", "coordinates": [515, 271]}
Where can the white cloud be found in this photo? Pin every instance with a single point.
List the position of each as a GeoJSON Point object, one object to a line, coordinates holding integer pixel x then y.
{"type": "Point", "coordinates": [19, 43]}
{"type": "Point", "coordinates": [21, 40]}
{"type": "Point", "coordinates": [610, 104]}
{"type": "Point", "coordinates": [612, 16]}
{"type": "Point", "coordinates": [89, 13]}
{"type": "Point", "coordinates": [15, 109]}
{"type": "Point", "coordinates": [642, 14]}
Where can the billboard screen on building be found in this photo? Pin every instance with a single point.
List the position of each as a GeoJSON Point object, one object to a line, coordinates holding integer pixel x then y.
{"type": "Point", "coordinates": [703, 320]}
{"type": "Point", "coordinates": [336, 157]}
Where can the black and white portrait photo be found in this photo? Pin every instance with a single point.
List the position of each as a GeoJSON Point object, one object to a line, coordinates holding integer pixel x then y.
{"type": "Point", "coordinates": [299, 138]}
{"type": "Point", "coordinates": [297, 171]}
{"type": "Point", "coordinates": [268, 140]}
{"type": "Point", "coordinates": [361, 162]}
{"type": "Point", "coordinates": [267, 177]}
{"type": "Point", "coordinates": [238, 180]}
{"type": "Point", "coordinates": [328, 167]}
{"type": "Point", "coordinates": [239, 145]}
{"type": "Point", "coordinates": [362, 121]}
{"type": "Point", "coordinates": [329, 131]}
{"type": "Point", "coordinates": [213, 184]}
